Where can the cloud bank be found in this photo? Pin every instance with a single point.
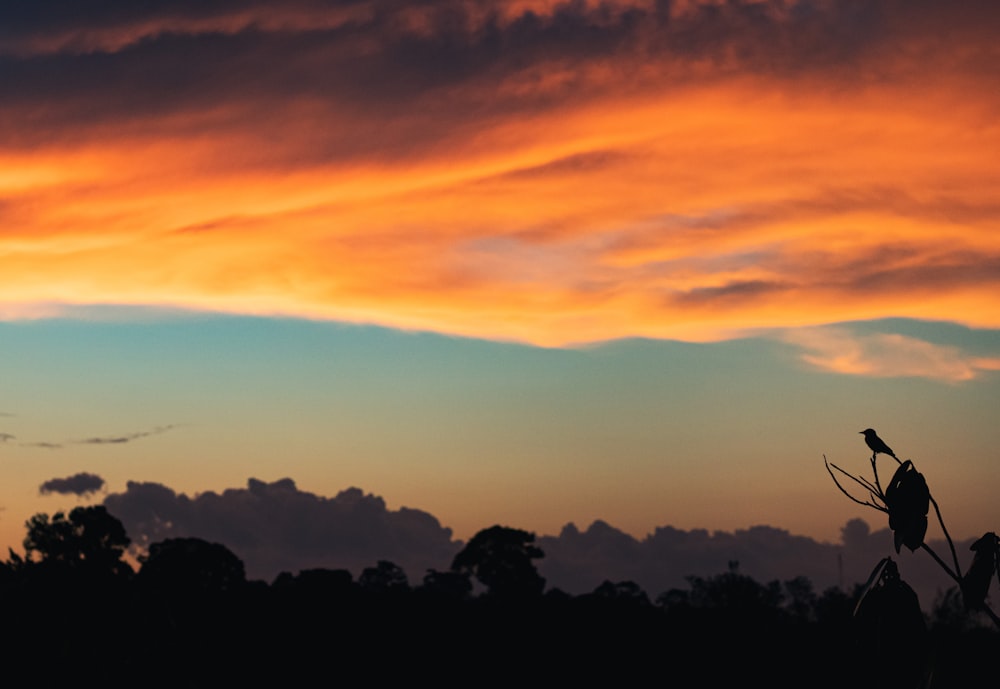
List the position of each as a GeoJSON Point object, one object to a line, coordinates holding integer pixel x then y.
{"type": "Point", "coordinates": [578, 561]}
{"type": "Point", "coordinates": [552, 172]}
{"type": "Point", "coordinates": [275, 527]}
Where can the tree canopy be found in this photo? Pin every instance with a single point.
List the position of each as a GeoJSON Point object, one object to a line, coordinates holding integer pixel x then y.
{"type": "Point", "coordinates": [500, 558]}
{"type": "Point", "coordinates": [90, 539]}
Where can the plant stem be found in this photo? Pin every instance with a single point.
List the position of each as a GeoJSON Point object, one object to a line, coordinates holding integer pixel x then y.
{"type": "Point", "coordinates": [951, 545]}
{"type": "Point", "coordinates": [944, 565]}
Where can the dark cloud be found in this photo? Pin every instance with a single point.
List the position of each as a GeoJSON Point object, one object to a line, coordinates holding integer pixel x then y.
{"type": "Point", "coordinates": [275, 527]}
{"type": "Point", "coordinates": [81, 484]}
{"type": "Point", "coordinates": [951, 271]}
{"type": "Point", "coordinates": [580, 163]}
{"type": "Point", "coordinates": [732, 292]}
{"type": "Point", "coordinates": [443, 61]}
{"type": "Point", "coordinates": [702, 230]}
{"type": "Point", "coordinates": [94, 440]}
{"type": "Point", "coordinates": [578, 561]}
{"type": "Point", "coordinates": [120, 439]}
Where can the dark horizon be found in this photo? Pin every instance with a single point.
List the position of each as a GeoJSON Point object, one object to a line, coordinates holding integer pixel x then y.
{"type": "Point", "coordinates": [190, 612]}
{"type": "Point", "coordinates": [277, 527]}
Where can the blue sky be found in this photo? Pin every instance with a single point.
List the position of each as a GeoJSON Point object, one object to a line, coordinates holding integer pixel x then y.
{"type": "Point", "coordinates": [639, 433]}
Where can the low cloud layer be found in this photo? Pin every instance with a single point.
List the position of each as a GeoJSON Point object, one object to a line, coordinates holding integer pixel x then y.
{"type": "Point", "coordinates": [275, 527]}
{"type": "Point", "coordinates": [579, 560]}
{"type": "Point", "coordinates": [81, 484]}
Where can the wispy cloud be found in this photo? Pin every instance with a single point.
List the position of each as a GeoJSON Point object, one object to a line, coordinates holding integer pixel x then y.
{"type": "Point", "coordinates": [120, 439]}
{"type": "Point", "coordinates": [886, 355]}
{"type": "Point", "coordinates": [93, 440]}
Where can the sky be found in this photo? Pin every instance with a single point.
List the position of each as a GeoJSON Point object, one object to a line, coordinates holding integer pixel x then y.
{"type": "Point", "coordinates": [524, 262]}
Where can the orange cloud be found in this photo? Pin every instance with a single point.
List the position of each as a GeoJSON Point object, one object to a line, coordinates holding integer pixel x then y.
{"type": "Point", "coordinates": [839, 350]}
{"type": "Point", "coordinates": [555, 176]}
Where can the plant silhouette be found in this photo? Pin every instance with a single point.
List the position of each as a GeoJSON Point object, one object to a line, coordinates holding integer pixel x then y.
{"type": "Point", "coordinates": [888, 617]}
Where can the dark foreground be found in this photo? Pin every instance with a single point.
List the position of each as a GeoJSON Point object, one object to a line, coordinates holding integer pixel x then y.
{"type": "Point", "coordinates": [322, 628]}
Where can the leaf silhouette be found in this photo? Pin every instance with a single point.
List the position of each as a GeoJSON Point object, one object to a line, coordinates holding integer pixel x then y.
{"type": "Point", "coordinates": [908, 501]}
{"type": "Point", "coordinates": [976, 582]}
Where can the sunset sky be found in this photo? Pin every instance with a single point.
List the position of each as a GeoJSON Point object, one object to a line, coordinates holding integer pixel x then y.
{"type": "Point", "coordinates": [515, 261]}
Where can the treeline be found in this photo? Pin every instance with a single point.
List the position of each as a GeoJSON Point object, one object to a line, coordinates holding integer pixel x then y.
{"type": "Point", "coordinates": [187, 616]}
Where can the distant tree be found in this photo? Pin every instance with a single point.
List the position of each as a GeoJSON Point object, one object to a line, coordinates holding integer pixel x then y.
{"type": "Point", "coordinates": [801, 598]}
{"type": "Point", "coordinates": [627, 592]}
{"type": "Point", "coordinates": [500, 558]}
{"type": "Point", "coordinates": [674, 599]}
{"type": "Point", "coordinates": [733, 591]}
{"type": "Point", "coordinates": [447, 584]}
{"type": "Point", "coordinates": [835, 606]}
{"type": "Point", "coordinates": [316, 582]}
{"type": "Point", "coordinates": [384, 576]}
{"type": "Point", "coordinates": [191, 565]}
{"type": "Point", "coordinates": [90, 539]}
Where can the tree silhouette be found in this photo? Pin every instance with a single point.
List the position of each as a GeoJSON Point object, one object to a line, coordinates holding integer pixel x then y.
{"type": "Point", "coordinates": [191, 566]}
{"type": "Point", "coordinates": [90, 540]}
{"type": "Point", "coordinates": [622, 592]}
{"type": "Point", "coordinates": [447, 584]}
{"type": "Point", "coordinates": [733, 591]}
{"type": "Point", "coordinates": [500, 558]}
{"type": "Point", "coordinates": [384, 577]}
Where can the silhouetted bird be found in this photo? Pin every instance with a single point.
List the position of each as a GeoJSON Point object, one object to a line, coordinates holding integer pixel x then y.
{"type": "Point", "coordinates": [876, 443]}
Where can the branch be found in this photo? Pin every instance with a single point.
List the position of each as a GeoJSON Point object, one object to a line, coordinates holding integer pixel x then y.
{"type": "Point", "coordinates": [873, 488]}
{"type": "Point", "coordinates": [992, 615]}
{"type": "Point", "coordinates": [855, 478]}
{"type": "Point", "coordinates": [878, 485]}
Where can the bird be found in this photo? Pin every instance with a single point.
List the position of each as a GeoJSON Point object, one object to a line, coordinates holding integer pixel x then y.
{"type": "Point", "coordinates": [876, 443]}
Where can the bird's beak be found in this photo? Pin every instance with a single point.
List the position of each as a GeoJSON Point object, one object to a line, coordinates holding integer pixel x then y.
{"type": "Point", "coordinates": [861, 432]}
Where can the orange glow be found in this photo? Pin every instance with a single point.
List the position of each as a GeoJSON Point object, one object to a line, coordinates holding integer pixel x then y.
{"type": "Point", "coordinates": [684, 211]}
